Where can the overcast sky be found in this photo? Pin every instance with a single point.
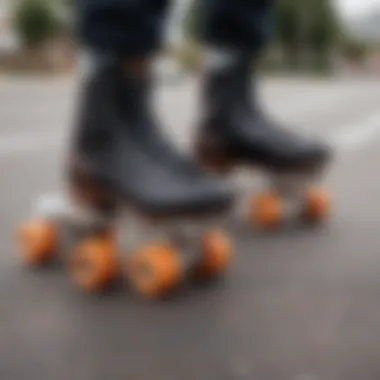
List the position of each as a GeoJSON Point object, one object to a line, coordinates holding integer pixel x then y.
{"type": "Point", "coordinates": [351, 7]}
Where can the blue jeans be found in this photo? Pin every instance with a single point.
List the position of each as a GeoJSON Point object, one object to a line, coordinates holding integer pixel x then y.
{"type": "Point", "coordinates": [135, 27]}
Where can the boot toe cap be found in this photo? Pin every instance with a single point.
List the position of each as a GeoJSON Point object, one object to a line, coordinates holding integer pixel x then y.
{"type": "Point", "coordinates": [308, 155]}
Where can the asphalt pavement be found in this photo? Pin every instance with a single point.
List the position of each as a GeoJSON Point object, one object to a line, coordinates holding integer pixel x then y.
{"type": "Point", "coordinates": [299, 304]}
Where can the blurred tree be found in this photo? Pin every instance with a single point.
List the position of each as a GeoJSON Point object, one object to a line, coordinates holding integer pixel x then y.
{"type": "Point", "coordinates": [194, 20]}
{"type": "Point", "coordinates": [287, 30]}
{"type": "Point", "coordinates": [353, 50]}
{"type": "Point", "coordinates": [36, 21]}
{"type": "Point", "coordinates": [307, 31]}
{"type": "Point", "coordinates": [325, 30]}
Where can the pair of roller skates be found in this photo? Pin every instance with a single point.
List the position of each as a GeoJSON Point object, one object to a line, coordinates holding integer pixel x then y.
{"type": "Point", "coordinates": [121, 161]}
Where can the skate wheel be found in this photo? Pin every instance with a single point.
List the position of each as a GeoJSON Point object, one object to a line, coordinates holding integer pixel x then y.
{"type": "Point", "coordinates": [217, 254]}
{"type": "Point", "coordinates": [267, 210]}
{"type": "Point", "coordinates": [155, 270]}
{"type": "Point", "coordinates": [318, 205]}
{"type": "Point", "coordinates": [94, 264]}
{"type": "Point", "coordinates": [38, 242]}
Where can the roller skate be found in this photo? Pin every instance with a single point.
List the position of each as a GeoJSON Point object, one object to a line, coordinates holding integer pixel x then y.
{"type": "Point", "coordinates": [121, 167]}
{"type": "Point", "coordinates": [234, 132]}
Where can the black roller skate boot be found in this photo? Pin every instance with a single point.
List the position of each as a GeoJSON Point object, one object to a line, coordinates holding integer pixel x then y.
{"type": "Point", "coordinates": [235, 131]}
{"type": "Point", "coordinates": [120, 161]}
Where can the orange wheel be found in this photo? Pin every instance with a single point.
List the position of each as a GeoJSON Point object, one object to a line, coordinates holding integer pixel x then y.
{"type": "Point", "coordinates": [38, 242]}
{"type": "Point", "coordinates": [318, 205]}
{"type": "Point", "coordinates": [267, 210]}
{"type": "Point", "coordinates": [155, 270]}
{"type": "Point", "coordinates": [217, 254]}
{"type": "Point", "coordinates": [94, 265]}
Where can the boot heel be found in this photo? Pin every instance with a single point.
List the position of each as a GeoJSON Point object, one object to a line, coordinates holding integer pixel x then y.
{"type": "Point", "coordinates": [211, 154]}
{"type": "Point", "coordinates": [87, 190]}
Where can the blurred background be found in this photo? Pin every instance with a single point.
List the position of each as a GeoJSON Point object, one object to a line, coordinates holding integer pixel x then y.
{"type": "Point", "coordinates": [300, 303]}
{"type": "Point", "coordinates": [312, 35]}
